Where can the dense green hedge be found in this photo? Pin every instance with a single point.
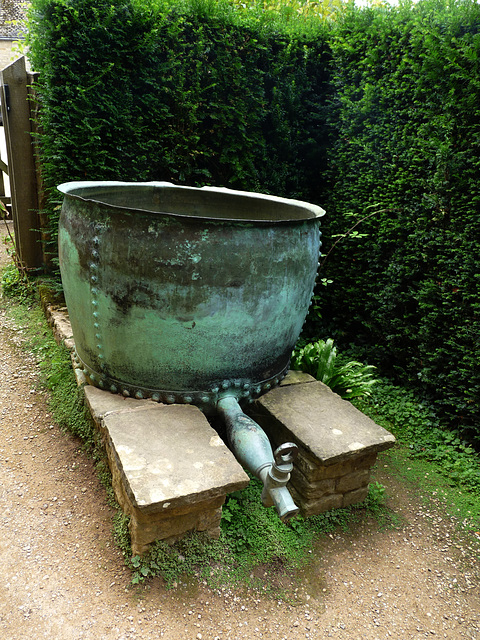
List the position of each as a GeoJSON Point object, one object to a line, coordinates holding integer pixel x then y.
{"type": "Point", "coordinates": [407, 139]}
{"type": "Point", "coordinates": [375, 115]}
{"type": "Point", "coordinates": [188, 93]}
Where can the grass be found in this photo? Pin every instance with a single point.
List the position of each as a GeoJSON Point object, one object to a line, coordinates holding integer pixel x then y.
{"type": "Point", "coordinates": [435, 488]}
{"type": "Point", "coordinates": [420, 432]}
{"type": "Point", "coordinates": [255, 549]}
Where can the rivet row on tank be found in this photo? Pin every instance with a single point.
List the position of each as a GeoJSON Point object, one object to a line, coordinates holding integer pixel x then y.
{"type": "Point", "coordinates": [155, 397]}
{"type": "Point", "coordinates": [170, 399]}
{"type": "Point", "coordinates": [215, 389]}
{"type": "Point", "coordinates": [126, 393]}
{"type": "Point", "coordinates": [205, 399]}
{"type": "Point", "coordinates": [225, 384]}
{"type": "Point", "coordinates": [113, 388]}
{"type": "Point", "coordinates": [188, 399]}
{"type": "Point", "coordinates": [94, 292]}
{"type": "Point", "coordinates": [139, 395]}
{"type": "Point", "coordinates": [101, 384]}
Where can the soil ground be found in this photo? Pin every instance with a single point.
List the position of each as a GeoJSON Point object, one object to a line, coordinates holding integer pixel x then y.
{"type": "Point", "coordinates": [63, 578]}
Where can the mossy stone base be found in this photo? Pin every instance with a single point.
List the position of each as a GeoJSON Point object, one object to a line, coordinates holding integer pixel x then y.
{"type": "Point", "coordinates": [171, 471]}
{"type": "Point", "coordinates": [338, 444]}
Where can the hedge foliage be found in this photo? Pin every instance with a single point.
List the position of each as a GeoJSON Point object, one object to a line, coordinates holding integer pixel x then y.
{"type": "Point", "coordinates": [374, 115]}
{"type": "Point", "coordinates": [407, 144]}
{"type": "Point", "coordinates": [188, 93]}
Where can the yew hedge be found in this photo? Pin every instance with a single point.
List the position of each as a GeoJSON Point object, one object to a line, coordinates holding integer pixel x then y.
{"type": "Point", "coordinates": [406, 128]}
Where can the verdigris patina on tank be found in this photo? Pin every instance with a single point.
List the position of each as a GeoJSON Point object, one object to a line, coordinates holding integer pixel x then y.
{"type": "Point", "coordinates": [187, 295]}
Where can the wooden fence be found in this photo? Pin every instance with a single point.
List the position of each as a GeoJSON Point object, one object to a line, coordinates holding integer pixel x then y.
{"type": "Point", "coordinates": [18, 113]}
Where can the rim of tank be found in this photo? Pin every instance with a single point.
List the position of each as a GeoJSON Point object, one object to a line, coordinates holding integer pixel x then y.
{"type": "Point", "coordinates": [251, 201]}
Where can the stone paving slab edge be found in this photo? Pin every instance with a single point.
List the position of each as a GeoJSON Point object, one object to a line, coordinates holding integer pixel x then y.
{"type": "Point", "coordinates": [170, 456]}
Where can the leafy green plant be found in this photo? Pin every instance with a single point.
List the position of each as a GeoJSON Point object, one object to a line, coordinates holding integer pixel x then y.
{"type": "Point", "coordinates": [15, 282]}
{"type": "Point", "coordinates": [416, 424]}
{"type": "Point", "coordinates": [376, 505]}
{"type": "Point", "coordinates": [195, 556]}
{"type": "Point", "coordinates": [319, 359]}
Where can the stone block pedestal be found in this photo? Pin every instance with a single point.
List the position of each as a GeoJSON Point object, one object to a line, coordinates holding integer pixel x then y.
{"type": "Point", "coordinates": [338, 444]}
{"type": "Point", "coordinates": [171, 471]}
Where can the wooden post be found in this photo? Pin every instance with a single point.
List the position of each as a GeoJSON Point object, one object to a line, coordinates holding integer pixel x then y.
{"type": "Point", "coordinates": [3, 169]}
{"type": "Point", "coordinates": [34, 105]}
{"type": "Point", "coordinates": [21, 163]}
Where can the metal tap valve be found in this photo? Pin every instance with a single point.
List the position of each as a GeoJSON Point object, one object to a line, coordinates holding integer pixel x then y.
{"type": "Point", "coordinates": [276, 480]}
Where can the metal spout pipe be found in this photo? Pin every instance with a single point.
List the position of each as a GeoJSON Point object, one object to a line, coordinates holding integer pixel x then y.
{"type": "Point", "coordinates": [252, 449]}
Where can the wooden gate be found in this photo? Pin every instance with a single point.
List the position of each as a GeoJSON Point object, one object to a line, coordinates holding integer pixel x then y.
{"type": "Point", "coordinates": [17, 120]}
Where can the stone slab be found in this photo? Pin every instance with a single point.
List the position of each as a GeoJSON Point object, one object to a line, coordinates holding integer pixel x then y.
{"type": "Point", "coordinates": [321, 422]}
{"type": "Point", "coordinates": [296, 377]}
{"type": "Point", "coordinates": [102, 403]}
{"type": "Point", "coordinates": [58, 319]}
{"type": "Point", "coordinates": [315, 472]}
{"type": "Point", "coordinates": [319, 504]}
{"type": "Point", "coordinates": [169, 524]}
{"type": "Point", "coordinates": [169, 456]}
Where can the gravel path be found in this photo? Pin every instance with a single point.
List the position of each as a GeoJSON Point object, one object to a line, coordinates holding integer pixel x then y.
{"type": "Point", "coordinates": [62, 577]}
